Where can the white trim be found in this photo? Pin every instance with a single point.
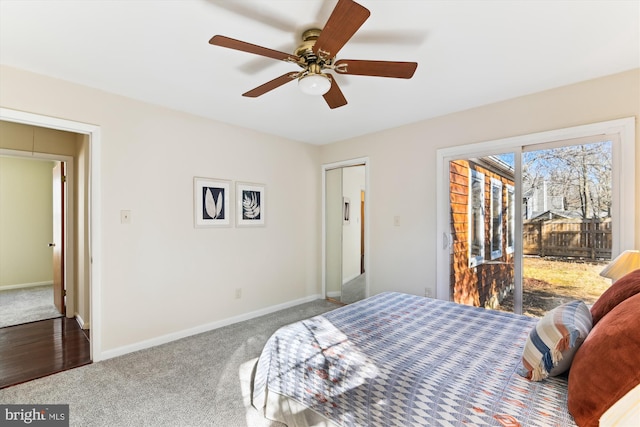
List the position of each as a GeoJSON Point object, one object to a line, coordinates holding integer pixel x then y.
{"type": "Point", "coordinates": [623, 192]}
{"type": "Point", "coordinates": [81, 322]}
{"type": "Point", "coordinates": [510, 209]}
{"type": "Point", "coordinates": [95, 238]}
{"type": "Point", "coordinates": [475, 259]}
{"type": "Point", "coordinates": [367, 203]}
{"type": "Point", "coordinates": [25, 285]}
{"type": "Point", "coordinates": [495, 183]}
{"type": "Point", "coordinates": [163, 339]}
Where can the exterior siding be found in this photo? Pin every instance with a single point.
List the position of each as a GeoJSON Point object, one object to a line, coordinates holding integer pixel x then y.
{"type": "Point", "coordinates": [487, 283]}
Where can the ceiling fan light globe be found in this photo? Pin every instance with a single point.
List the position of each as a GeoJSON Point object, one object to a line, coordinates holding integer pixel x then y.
{"type": "Point", "coordinates": [314, 84]}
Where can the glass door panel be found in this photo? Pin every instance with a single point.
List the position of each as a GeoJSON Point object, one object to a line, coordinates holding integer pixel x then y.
{"type": "Point", "coordinates": [482, 206]}
{"type": "Point", "coordinates": [567, 223]}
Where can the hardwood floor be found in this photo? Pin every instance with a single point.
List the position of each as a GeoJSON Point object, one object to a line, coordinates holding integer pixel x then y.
{"type": "Point", "coordinates": [41, 348]}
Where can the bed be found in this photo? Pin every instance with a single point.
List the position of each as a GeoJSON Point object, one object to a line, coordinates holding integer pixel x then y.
{"type": "Point", "coordinates": [403, 360]}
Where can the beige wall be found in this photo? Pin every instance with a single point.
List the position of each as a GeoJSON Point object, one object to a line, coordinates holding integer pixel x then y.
{"type": "Point", "coordinates": [160, 275]}
{"type": "Point", "coordinates": [403, 167]}
{"type": "Point", "coordinates": [26, 222]}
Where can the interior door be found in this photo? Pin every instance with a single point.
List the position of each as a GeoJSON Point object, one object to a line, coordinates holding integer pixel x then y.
{"type": "Point", "coordinates": [58, 236]}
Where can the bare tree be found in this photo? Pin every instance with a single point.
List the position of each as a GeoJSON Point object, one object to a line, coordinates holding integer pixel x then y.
{"type": "Point", "coordinates": [580, 174]}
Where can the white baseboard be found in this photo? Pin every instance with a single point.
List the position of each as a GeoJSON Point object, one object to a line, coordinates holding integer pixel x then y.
{"type": "Point", "coordinates": [25, 285]}
{"type": "Point", "coordinates": [81, 322]}
{"type": "Point", "coordinates": [120, 351]}
{"type": "Point", "coordinates": [334, 294]}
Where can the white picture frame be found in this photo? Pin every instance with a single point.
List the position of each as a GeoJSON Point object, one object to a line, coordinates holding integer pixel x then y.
{"type": "Point", "coordinates": [211, 202]}
{"type": "Point", "coordinates": [250, 204]}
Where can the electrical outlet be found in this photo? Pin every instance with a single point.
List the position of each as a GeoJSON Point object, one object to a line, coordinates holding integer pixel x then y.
{"type": "Point", "coordinates": [238, 293]}
{"type": "Point", "coordinates": [427, 293]}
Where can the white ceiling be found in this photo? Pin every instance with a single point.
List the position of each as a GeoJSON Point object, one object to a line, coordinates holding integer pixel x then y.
{"type": "Point", "coordinates": [469, 53]}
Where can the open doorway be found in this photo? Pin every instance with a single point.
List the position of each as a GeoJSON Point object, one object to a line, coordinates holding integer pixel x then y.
{"type": "Point", "coordinates": [83, 235]}
{"type": "Point", "coordinates": [32, 225]}
{"type": "Point", "coordinates": [345, 231]}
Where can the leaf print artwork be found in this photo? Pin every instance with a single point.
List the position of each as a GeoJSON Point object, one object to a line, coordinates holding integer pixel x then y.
{"type": "Point", "coordinates": [212, 207]}
{"type": "Point", "coordinates": [251, 205]}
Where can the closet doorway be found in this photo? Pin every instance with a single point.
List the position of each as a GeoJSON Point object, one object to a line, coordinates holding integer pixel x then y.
{"type": "Point", "coordinates": [345, 236]}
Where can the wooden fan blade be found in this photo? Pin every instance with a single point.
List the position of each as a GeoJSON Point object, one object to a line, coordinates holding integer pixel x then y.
{"type": "Point", "coordinates": [343, 23]}
{"type": "Point", "coordinates": [252, 48]}
{"type": "Point", "coordinates": [401, 70]}
{"type": "Point", "coordinates": [334, 97]}
{"type": "Point", "coordinates": [273, 84]}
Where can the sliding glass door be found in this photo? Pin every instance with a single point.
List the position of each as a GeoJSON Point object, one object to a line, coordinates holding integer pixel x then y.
{"type": "Point", "coordinates": [520, 218]}
{"type": "Point", "coordinates": [567, 222]}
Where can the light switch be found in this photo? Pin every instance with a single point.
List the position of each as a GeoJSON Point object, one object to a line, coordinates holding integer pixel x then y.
{"type": "Point", "coordinates": [396, 220]}
{"type": "Point", "coordinates": [125, 217]}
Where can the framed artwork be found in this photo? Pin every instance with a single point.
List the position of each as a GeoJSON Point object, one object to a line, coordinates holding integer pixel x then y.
{"type": "Point", "coordinates": [212, 204]}
{"type": "Point", "coordinates": [250, 203]}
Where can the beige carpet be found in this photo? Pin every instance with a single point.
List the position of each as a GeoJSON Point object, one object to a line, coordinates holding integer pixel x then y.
{"type": "Point", "coordinates": [25, 305]}
{"type": "Point", "coordinates": [201, 380]}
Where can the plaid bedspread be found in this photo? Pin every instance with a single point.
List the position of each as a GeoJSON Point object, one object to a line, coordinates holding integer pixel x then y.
{"type": "Point", "coordinates": [403, 360]}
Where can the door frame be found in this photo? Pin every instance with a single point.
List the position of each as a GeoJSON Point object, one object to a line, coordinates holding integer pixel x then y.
{"type": "Point", "coordinates": [623, 196]}
{"type": "Point", "coordinates": [94, 204]}
{"type": "Point", "coordinates": [336, 165]}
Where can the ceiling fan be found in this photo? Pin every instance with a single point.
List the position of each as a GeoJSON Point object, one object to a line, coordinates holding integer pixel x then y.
{"type": "Point", "coordinates": [317, 53]}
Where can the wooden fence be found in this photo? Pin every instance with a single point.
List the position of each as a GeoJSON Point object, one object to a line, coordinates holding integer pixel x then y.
{"type": "Point", "coordinates": [575, 238]}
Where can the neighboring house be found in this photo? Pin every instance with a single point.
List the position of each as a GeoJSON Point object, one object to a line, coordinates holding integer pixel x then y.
{"type": "Point", "coordinates": [536, 200]}
{"type": "Point", "coordinates": [482, 224]}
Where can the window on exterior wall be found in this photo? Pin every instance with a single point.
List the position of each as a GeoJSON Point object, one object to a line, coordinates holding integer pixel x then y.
{"type": "Point", "coordinates": [476, 218]}
{"type": "Point", "coordinates": [511, 200]}
{"type": "Point", "coordinates": [496, 218]}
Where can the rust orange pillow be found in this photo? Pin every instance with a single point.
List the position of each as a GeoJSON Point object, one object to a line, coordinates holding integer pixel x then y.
{"type": "Point", "coordinates": [623, 288]}
{"type": "Point", "coordinates": [607, 365]}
